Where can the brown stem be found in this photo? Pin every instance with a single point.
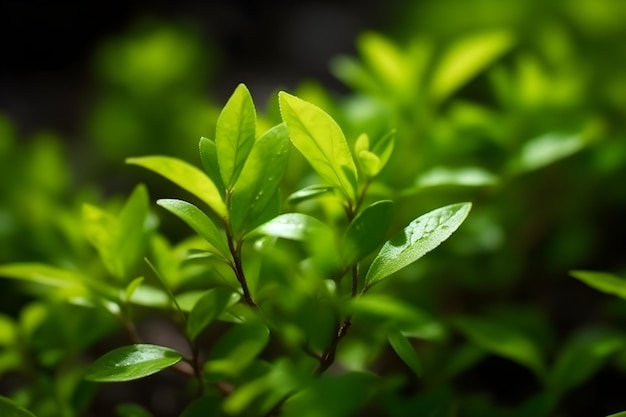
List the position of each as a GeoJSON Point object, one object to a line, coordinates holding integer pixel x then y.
{"type": "Point", "coordinates": [328, 357]}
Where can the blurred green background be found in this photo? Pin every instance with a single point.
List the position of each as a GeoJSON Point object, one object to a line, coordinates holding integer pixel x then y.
{"type": "Point", "coordinates": [518, 106]}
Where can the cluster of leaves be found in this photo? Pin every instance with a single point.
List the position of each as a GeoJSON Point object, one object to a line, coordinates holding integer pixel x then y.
{"type": "Point", "coordinates": [291, 277]}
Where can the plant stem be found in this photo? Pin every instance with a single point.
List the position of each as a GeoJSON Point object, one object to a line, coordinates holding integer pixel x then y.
{"type": "Point", "coordinates": [328, 357]}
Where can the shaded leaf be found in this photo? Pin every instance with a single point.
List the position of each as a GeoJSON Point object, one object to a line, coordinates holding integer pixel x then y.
{"type": "Point", "coordinates": [464, 177]}
{"type": "Point", "coordinates": [367, 231]}
{"type": "Point", "coordinates": [259, 178]}
{"type": "Point", "coordinates": [199, 222]}
{"type": "Point", "coordinates": [236, 349]}
{"type": "Point", "coordinates": [208, 308]}
{"type": "Point", "coordinates": [602, 281]}
{"type": "Point", "coordinates": [187, 177]}
{"type": "Point", "coordinates": [547, 149]}
{"type": "Point", "coordinates": [582, 356]}
{"type": "Point", "coordinates": [405, 351]}
{"type": "Point", "coordinates": [9, 408]}
{"type": "Point", "coordinates": [235, 134]}
{"type": "Point", "coordinates": [132, 362]}
{"type": "Point", "coordinates": [420, 237]}
{"type": "Point", "coordinates": [503, 340]}
{"type": "Point", "coordinates": [320, 140]}
{"type": "Point", "coordinates": [131, 410]}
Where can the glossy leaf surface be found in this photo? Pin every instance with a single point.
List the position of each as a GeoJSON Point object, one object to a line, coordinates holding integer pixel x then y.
{"type": "Point", "coordinates": [132, 362]}
{"type": "Point", "coordinates": [320, 140]}
{"type": "Point", "coordinates": [420, 237]}
{"type": "Point", "coordinates": [187, 177]}
{"type": "Point", "coordinates": [293, 226]}
{"type": "Point", "coordinates": [199, 222]}
{"type": "Point", "coordinates": [309, 193]}
{"type": "Point", "coordinates": [259, 178]}
{"type": "Point", "coordinates": [235, 134]}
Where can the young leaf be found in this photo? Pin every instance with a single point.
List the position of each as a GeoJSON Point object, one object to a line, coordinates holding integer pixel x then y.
{"type": "Point", "coordinates": [467, 58]}
{"type": "Point", "coordinates": [405, 351]}
{"type": "Point", "coordinates": [132, 362]}
{"type": "Point", "coordinates": [208, 308]}
{"type": "Point", "coordinates": [235, 133]}
{"type": "Point", "coordinates": [9, 408]}
{"type": "Point", "coordinates": [293, 226]}
{"type": "Point", "coordinates": [547, 149]}
{"type": "Point", "coordinates": [320, 140]}
{"type": "Point", "coordinates": [259, 178]}
{"type": "Point", "coordinates": [464, 177]}
{"type": "Point", "coordinates": [503, 340]}
{"type": "Point", "coordinates": [199, 222]}
{"type": "Point", "coordinates": [187, 177]}
{"type": "Point", "coordinates": [383, 147]}
{"type": "Point", "coordinates": [208, 156]}
{"type": "Point", "coordinates": [308, 193]}
{"type": "Point", "coordinates": [367, 231]}
{"type": "Point", "coordinates": [132, 287]}
{"type": "Point", "coordinates": [420, 237]}
{"type": "Point", "coordinates": [602, 281]}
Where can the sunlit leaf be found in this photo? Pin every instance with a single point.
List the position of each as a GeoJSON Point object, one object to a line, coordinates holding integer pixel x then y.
{"type": "Point", "coordinates": [132, 362]}
{"type": "Point", "coordinates": [405, 351]}
{"type": "Point", "coordinates": [293, 226]}
{"type": "Point", "coordinates": [208, 308]}
{"type": "Point", "coordinates": [503, 340]}
{"type": "Point", "coordinates": [547, 149]}
{"type": "Point", "coordinates": [467, 58]}
{"type": "Point", "coordinates": [367, 231]}
{"type": "Point", "coordinates": [187, 177]}
{"type": "Point", "coordinates": [420, 237]}
{"type": "Point", "coordinates": [464, 177]}
{"type": "Point", "coordinates": [235, 134]}
{"type": "Point", "coordinates": [259, 178]}
{"type": "Point", "coordinates": [602, 281]}
{"type": "Point", "coordinates": [320, 140]}
{"type": "Point", "coordinates": [132, 287]}
{"type": "Point", "coordinates": [208, 156]}
{"type": "Point", "coordinates": [308, 193]}
{"type": "Point", "coordinates": [9, 408]}
{"type": "Point", "coordinates": [199, 222]}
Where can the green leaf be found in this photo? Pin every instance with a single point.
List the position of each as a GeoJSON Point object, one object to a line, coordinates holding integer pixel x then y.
{"type": "Point", "coordinates": [259, 178]}
{"type": "Point", "coordinates": [131, 410]}
{"type": "Point", "coordinates": [369, 163]}
{"type": "Point", "coordinates": [187, 177]}
{"type": "Point", "coordinates": [209, 406]}
{"type": "Point", "coordinates": [420, 237]}
{"type": "Point", "coordinates": [235, 133]}
{"type": "Point", "coordinates": [132, 287]}
{"type": "Point", "coordinates": [582, 356]}
{"type": "Point", "coordinates": [467, 58]}
{"type": "Point", "coordinates": [367, 231]}
{"type": "Point", "coordinates": [208, 308]}
{"type": "Point", "coordinates": [132, 362]}
{"type": "Point", "coordinates": [320, 140]}
{"type": "Point", "coordinates": [464, 177]}
{"type": "Point", "coordinates": [601, 281]}
{"type": "Point", "coordinates": [547, 149]}
{"type": "Point", "coordinates": [383, 147]}
{"type": "Point", "coordinates": [292, 226]}
{"type": "Point", "coordinates": [9, 408]}
{"type": "Point", "coordinates": [503, 340]}
{"type": "Point", "coordinates": [620, 414]}
{"type": "Point", "coordinates": [405, 351]}
{"type": "Point", "coordinates": [199, 222]}
{"type": "Point", "coordinates": [208, 156]}
{"type": "Point", "coordinates": [56, 277]}
{"type": "Point", "coordinates": [308, 193]}
{"type": "Point", "coordinates": [236, 349]}
{"type": "Point", "coordinates": [120, 240]}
